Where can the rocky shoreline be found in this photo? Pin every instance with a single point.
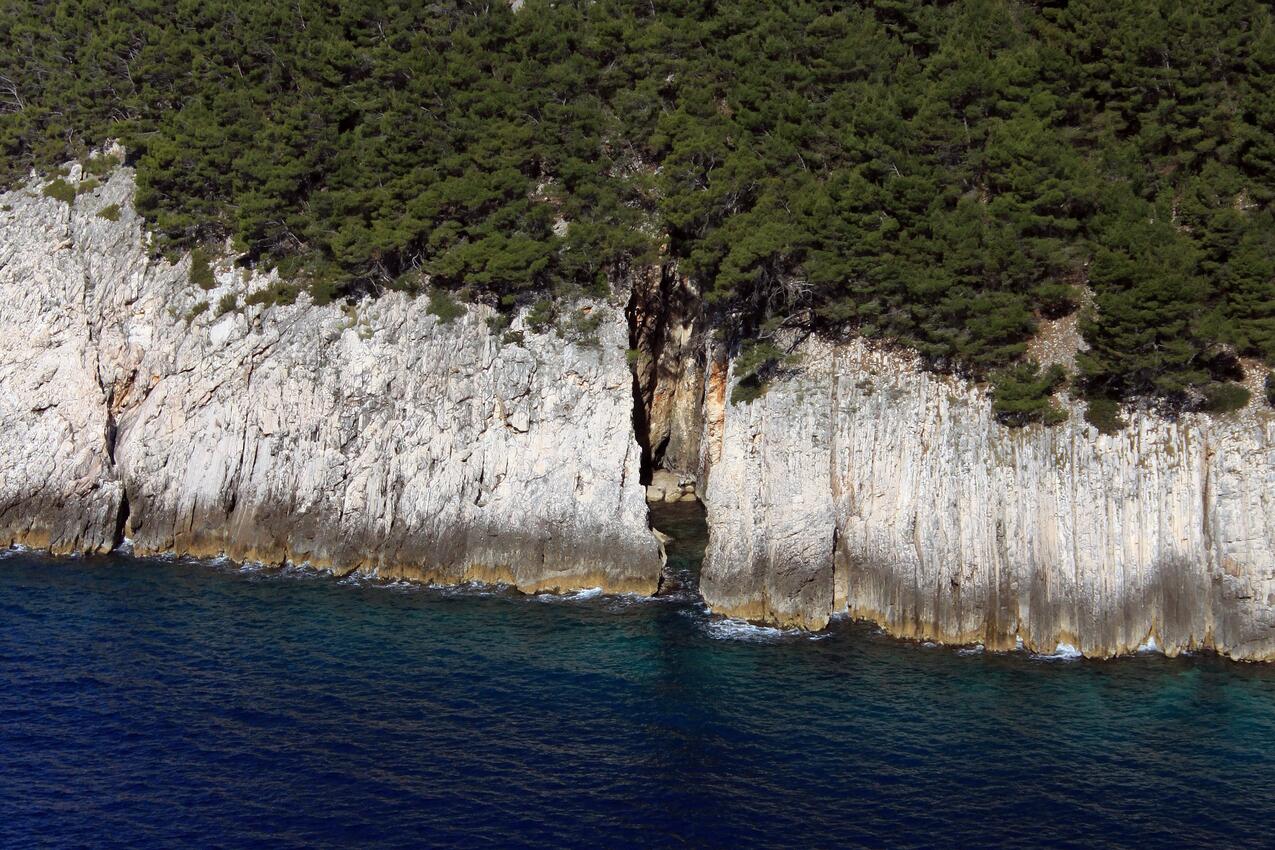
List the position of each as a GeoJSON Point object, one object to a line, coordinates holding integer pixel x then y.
{"type": "Point", "coordinates": [378, 437]}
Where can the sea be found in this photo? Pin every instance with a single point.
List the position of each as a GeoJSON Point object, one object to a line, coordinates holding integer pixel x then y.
{"type": "Point", "coordinates": [163, 703]}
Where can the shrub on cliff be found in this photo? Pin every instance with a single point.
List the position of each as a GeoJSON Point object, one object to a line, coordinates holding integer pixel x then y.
{"type": "Point", "coordinates": [201, 270]}
{"type": "Point", "coordinates": [747, 390]}
{"type": "Point", "coordinates": [753, 365]}
{"type": "Point", "coordinates": [541, 315]}
{"type": "Point", "coordinates": [1225, 398]}
{"type": "Point", "coordinates": [1023, 394]}
{"type": "Point", "coordinates": [409, 282]}
{"type": "Point", "coordinates": [280, 293]}
{"type": "Point", "coordinates": [582, 327]}
{"type": "Point", "coordinates": [99, 165]}
{"type": "Point", "coordinates": [196, 311]}
{"type": "Point", "coordinates": [1104, 414]}
{"type": "Point", "coordinates": [60, 190]}
{"type": "Point", "coordinates": [444, 306]}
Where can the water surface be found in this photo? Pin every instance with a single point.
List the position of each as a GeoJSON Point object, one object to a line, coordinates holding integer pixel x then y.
{"type": "Point", "coordinates": [148, 703]}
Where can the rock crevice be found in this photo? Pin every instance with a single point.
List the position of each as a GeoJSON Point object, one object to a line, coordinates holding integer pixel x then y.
{"type": "Point", "coordinates": [666, 345]}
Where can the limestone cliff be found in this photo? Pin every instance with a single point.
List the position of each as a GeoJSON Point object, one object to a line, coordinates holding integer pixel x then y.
{"type": "Point", "coordinates": [370, 437]}
{"type": "Point", "coordinates": [373, 436]}
{"type": "Point", "coordinates": [864, 484]}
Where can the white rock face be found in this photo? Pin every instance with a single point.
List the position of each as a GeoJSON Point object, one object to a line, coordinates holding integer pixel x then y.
{"type": "Point", "coordinates": [377, 438]}
{"type": "Point", "coordinates": [372, 438]}
{"type": "Point", "coordinates": [865, 484]}
{"type": "Point", "coordinates": [57, 488]}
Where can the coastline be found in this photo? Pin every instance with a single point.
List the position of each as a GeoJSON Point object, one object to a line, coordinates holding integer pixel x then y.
{"type": "Point", "coordinates": [380, 436]}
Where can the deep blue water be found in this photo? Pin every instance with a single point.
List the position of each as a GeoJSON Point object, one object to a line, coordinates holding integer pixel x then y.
{"type": "Point", "coordinates": [165, 704]}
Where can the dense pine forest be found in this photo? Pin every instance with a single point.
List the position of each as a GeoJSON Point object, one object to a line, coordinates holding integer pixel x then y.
{"type": "Point", "coordinates": [942, 175]}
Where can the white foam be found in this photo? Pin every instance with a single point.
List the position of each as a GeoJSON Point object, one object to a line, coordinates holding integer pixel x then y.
{"type": "Point", "coordinates": [1066, 650]}
{"type": "Point", "coordinates": [1149, 646]}
{"type": "Point", "coordinates": [1063, 652]}
{"type": "Point", "coordinates": [732, 628]}
{"type": "Point", "coordinates": [729, 628]}
{"type": "Point", "coordinates": [976, 649]}
{"type": "Point", "coordinates": [468, 588]}
{"type": "Point", "coordinates": [617, 602]}
{"type": "Point", "coordinates": [581, 595]}
{"type": "Point", "coordinates": [303, 570]}
{"type": "Point", "coordinates": [368, 578]}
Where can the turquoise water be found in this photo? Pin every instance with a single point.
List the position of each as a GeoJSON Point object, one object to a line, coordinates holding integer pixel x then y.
{"type": "Point", "coordinates": [150, 703]}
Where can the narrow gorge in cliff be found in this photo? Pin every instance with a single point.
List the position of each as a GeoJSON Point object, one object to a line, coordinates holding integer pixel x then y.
{"type": "Point", "coordinates": [860, 483]}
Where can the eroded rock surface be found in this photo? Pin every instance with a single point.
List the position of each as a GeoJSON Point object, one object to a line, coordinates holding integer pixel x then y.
{"type": "Point", "coordinates": [865, 484]}
{"type": "Point", "coordinates": [372, 437]}
{"type": "Point", "coordinates": [666, 338]}
{"type": "Point", "coordinates": [375, 437]}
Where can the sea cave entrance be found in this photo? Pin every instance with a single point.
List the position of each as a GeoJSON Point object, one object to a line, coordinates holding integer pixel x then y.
{"type": "Point", "coordinates": [685, 533]}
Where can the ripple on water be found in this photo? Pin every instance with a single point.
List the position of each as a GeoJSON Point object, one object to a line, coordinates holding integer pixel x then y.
{"type": "Point", "coordinates": [160, 703]}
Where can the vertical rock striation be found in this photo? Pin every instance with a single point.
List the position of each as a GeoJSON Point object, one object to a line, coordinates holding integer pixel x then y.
{"type": "Point", "coordinates": [369, 437]}
{"type": "Point", "coordinates": [865, 484]}
{"type": "Point", "coordinates": [57, 485]}
{"type": "Point", "coordinates": [768, 502]}
{"type": "Point", "coordinates": [374, 437]}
